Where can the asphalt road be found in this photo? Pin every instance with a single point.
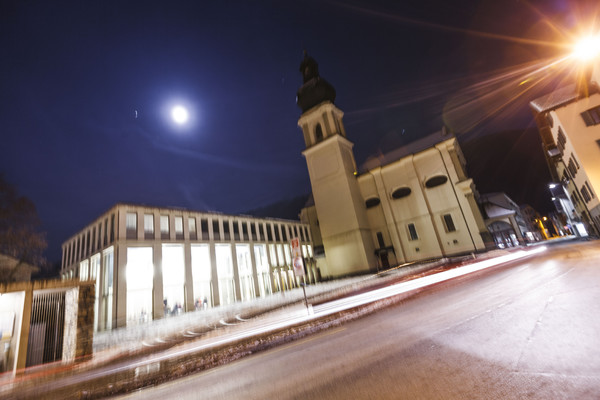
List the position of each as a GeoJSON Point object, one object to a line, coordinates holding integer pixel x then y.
{"type": "Point", "coordinates": [528, 330]}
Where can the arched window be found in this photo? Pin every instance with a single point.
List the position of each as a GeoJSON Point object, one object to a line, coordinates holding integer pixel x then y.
{"type": "Point", "coordinates": [318, 133]}
{"type": "Point", "coordinates": [436, 181]}
{"type": "Point", "coordinates": [401, 192]}
{"type": "Point", "coordinates": [372, 202]}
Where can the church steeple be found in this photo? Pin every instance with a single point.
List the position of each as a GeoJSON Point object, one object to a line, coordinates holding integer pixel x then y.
{"type": "Point", "coordinates": [315, 89]}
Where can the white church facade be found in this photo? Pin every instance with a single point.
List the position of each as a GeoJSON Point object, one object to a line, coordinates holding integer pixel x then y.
{"type": "Point", "coordinates": [416, 203]}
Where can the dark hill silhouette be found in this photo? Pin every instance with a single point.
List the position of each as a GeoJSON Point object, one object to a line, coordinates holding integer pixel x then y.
{"type": "Point", "coordinates": [512, 162]}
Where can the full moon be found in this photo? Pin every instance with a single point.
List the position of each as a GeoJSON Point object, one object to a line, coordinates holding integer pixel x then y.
{"type": "Point", "coordinates": [180, 115]}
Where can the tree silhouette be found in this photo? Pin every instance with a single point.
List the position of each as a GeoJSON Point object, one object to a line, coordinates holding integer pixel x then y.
{"type": "Point", "coordinates": [19, 235]}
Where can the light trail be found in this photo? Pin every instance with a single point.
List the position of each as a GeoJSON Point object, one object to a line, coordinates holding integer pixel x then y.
{"type": "Point", "coordinates": [294, 318]}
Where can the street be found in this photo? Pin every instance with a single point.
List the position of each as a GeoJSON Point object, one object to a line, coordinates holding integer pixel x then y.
{"type": "Point", "coordinates": [527, 330]}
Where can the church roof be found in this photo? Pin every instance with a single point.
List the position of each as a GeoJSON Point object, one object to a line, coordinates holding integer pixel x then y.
{"type": "Point", "coordinates": [411, 148]}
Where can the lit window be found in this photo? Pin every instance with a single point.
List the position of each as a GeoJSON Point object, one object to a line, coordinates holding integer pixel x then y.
{"type": "Point", "coordinates": [164, 226]}
{"type": "Point", "coordinates": [131, 223]}
{"type": "Point", "coordinates": [148, 225]}
{"type": "Point", "coordinates": [449, 223]}
{"type": "Point", "coordinates": [179, 225]}
{"type": "Point", "coordinates": [192, 227]}
{"type": "Point", "coordinates": [412, 232]}
{"type": "Point", "coordinates": [591, 116]}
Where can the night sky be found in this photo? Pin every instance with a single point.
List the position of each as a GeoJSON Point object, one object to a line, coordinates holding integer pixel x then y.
{"type": "Point", "coordinates": [86, 88]}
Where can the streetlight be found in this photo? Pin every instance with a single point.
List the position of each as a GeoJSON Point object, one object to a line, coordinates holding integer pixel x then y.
{"type": "Point", "coordinates": [587, 48]}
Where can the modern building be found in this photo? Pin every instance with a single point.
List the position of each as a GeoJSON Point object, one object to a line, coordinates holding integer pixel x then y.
{"type": "Point", "coordinates": [568, 120]}
{"type": "Point", "coordinates": [150, 262]}
{"type": "Point", "coordinates": [415, 203]}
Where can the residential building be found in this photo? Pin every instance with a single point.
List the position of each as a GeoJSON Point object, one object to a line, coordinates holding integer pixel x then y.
{"type": "Point", "coordinates": [569, 123]}
{"type": "Point", "coordinates": [152, 262]}
{"type": "Point", "coordinates": [412, 204]}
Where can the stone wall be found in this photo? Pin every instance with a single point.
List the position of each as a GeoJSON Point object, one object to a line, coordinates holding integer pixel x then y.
{"type": "Point", "coordinates": [85, 322]}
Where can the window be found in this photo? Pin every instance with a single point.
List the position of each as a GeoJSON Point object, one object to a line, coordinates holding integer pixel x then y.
{"type": "Point", "coordinates": [245, 230]}
{"type": "Point", "coordinates": [401, 192]}
{"type": "Point", "coordinates": [149, 226]}
{"type": "Point", "coordinates": [412, 232]}
{"type": "Point", "coordinates": [591, 116]}
{"type": "Point", "coordinates": [261, 229]}
{"type": "Point", "coordinates": [284, 230]}
{"type": "Point", "coordinates": [380, 240]}
{"type": "Point", "coordinates": [226, 234]}
{"type": "Point", "coordinates": [192, 228]}
{"type": "Point", "coordinates": [277, 235]}
{"type": "Point", "coordinates": [216, 233]}
{"type": "Point", "coordinates": [253, 231]}
{"type": "Point", "coordinates": [372, 202]}
{"type": "Point", "coordinates": [449, 223]}
{"type": "Point", "coordinates": [204, 227]}
{"type": "Point", "coordinates": [270, 232]}
{"type": "Point", "coordinates": [131, 223]}
{"type": "Point", "coordinates": [318, 133]}
{"type": "Point", "coordinates": [590, 189]}
{"type": "Point", "coordinates": [179, 227]}
{"type": "Point", "coordinates": [236, 230]}
{"type": "Point", "coordinates": [550, 120]}
{"type": "Point", "coordinates": [572, 167]}
{"type": "Point", "coordinates": [164, 226]}
{"type": "Point", "coordinates": [561, 140]}
{"type": "Point", "coordinates": [586, 192]}
{"type": "Point", "coordinates": [112, 228]}
{"type": "Point", "coordinates": [436, 181]}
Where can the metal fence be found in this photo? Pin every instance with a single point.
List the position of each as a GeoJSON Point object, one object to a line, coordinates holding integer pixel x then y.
{"type": "Point", "coordinates": [46, 331]}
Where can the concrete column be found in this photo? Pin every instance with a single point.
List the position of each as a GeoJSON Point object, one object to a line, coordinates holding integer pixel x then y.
{"type": "Point", "coordinates": [236, 273]}
{"type": "Point", "coordinates": [157, 284]}
{"type": "Point", "coordinates": [214, 276]}
{"type": "Point", "coordinates": [120, 286]}
{"type": "Point", "coordinates": [189, 280]}
{"type": "Point", "coordinates": [21, 356]}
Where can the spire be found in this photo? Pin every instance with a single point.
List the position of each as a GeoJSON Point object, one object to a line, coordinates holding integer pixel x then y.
{"type": "Point", "coordinates": [315, 89]}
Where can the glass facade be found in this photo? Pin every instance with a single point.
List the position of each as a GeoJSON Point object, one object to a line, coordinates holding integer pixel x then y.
{"type": "Point", "coordinates": [202, 275]}
{"type": "Point", "coordinates": [262, 269]}
{"type": "Point", "coordinates": [139, 274]}
{"type": "Point", "coordinates": [225, 274]}
{"type": "Point", "coordinates": [173, 274]}
{"type": "Point", "coordinates": [244, 262]}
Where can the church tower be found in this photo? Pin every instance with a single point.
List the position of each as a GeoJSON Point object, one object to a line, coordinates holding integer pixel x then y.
{"type": "Point", "coordinates": [341, 210]}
